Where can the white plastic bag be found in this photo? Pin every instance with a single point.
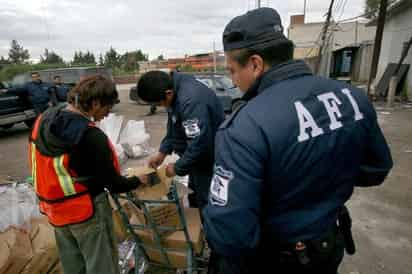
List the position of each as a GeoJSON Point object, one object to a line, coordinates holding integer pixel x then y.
{"type": "Point", "coordinates": [111, 126]}
{"type": "Point", "coordinates": [134, 133]}
{"type": "Point", "coordinates": [18, 205]}
{"type": "Point", "coordinates": [120, 154]}
{"type": "Point", "coordinates": [134, 139]}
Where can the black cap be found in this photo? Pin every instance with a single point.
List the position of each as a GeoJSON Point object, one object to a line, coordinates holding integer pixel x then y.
{"type": "Point", "coordinates": [258, 28]}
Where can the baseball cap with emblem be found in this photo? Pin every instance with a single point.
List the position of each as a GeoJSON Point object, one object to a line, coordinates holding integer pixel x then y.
{"type": "Point", "coordinates": [259, 28]}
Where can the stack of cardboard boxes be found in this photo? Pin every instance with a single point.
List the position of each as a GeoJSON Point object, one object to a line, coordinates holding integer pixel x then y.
{"type": "Point", "coordinates": [35, 251]}
{"type": "Point", "coordinates": [29, 252]}
{"type": "Point", "coordinates": [164, 215]}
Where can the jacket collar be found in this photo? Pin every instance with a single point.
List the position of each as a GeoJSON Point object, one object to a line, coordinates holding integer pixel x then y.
{"type": "Point", "coordinates": [276, 74]}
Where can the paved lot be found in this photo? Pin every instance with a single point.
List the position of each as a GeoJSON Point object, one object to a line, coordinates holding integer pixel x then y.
{"type": "Point", "coordinates": [382, 216]}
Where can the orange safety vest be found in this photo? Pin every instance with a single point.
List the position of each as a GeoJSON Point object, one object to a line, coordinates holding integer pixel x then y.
{"type": "Point", "coordinates": [63, 199]}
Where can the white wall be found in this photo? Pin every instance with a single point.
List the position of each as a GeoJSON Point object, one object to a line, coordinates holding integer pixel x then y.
{"type": "Point", "coordinates": [344, 34]}
{"type": "Point", "coordinates": [398, 30]}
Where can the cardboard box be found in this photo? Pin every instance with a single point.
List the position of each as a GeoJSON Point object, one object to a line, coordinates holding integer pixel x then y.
{"type": "Point", "coordinates": [176, 240]}
{"type": "Point", "coordinates": [43, 242]}
{"type": "Point", "coordinates": [16, 251]}
{"type": "Point", "coordinates": [161, 214]}
{"type": "Point", "coordinates": [119, 227]}
{"type": "Point", "coordinates": [56, 269]}
{"type": "Point", "coordinates": [177, 259]}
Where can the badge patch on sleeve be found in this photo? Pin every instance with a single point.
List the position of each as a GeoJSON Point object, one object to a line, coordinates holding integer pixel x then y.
{"type": "Point", "coordinates": [219, 187]}
{"type": "Point", "coordinates": [192, 128]}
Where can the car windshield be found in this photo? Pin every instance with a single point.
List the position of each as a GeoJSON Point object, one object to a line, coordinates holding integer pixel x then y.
{"type": "Point", "coordinates": [206, 81]}
{"type": "Point", "coordinates": [226, 82]}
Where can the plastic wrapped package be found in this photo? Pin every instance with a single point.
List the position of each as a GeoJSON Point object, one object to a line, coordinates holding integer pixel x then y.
{"type": "Point", "coordinates": [111, 126]}
{"type": "Point", "coordinates": [134, 133]}
{"type": "Point", "coordinates": [19, 204]}
{"type": "Point", "coordinates": [121, 154]}
{"type": "Point", "coordinates": [135, 140]}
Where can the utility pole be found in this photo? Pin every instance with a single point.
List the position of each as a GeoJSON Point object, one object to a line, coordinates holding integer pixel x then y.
{"type": "Point", "coordinates": [304, 11]}
{"type": "Point", "coordinates": [258, 3]}
{"type": "Point", "coordinates": [356, 31]}
{"type": "Point", "coordinates": [378, 43]}
{"type": "Point", "coordinates": [214, 57]}
{"type": "Point", "coordinates": [325, 32]}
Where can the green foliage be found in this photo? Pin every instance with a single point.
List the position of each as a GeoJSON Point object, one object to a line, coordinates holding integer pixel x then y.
{"type": "Point", "coordinates": [186, 68]}
{"type": "Point", "coordinates": [17, 54]}
{"type": "Point", "coordinates": [112, 58]}
{"type": "Point", "coordinates": [101, 60]}
{"type": "Point", "coordinates": [9, 71]}
{"type": "Point", "coordinates": [129, 60]}
{"type": "Point", "coordinates": [50, 57]}
{"type": "Point", "coordinates": [372, 7]}
{"type": "Point", "coordinates": [81, 58]}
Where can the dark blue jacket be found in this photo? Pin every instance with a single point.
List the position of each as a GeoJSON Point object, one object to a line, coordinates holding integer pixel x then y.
{"type": "Point", "coordinates": [39, 94]}
{"type": "Point", "coordinates": [61, 92]}
{"type": "Point", "coordinates": [193, 120]}
{"type": "Point", "coordinates": [289, 159]}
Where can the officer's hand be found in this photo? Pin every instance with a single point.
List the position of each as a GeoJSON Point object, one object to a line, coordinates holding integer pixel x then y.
{"type": "Point", "coordinates": [156, 160]}
{"type": "Point", "coordinates": [170, 170]}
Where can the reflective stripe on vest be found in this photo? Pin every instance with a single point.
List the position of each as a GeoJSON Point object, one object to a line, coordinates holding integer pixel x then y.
{"type": "Point", "coordinates": [65, 180]}
{"type": "Point", "coordinates": [33, 164]}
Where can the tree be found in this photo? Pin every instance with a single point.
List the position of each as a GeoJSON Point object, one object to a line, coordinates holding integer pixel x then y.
{"type": "Point", "coordinates": [88, 58]}
{"type": "Point", "coordinates": [81, 58]}
{"type": "Point", "coordinates": [101, 60]}
{"type": "Point", "coordinates": [160, 57]}
{"type": "Point", "coordinates": [130, 60]}
{"type": "Point", "coordinates": [111, 58]}
{"type": "Point", "coordinates": [17, 54]}
{"type": "Point", "coordinates": [50, 57]}
{"type": "Point", "coordinates": [4, 61]}
{"type": "Point", "coordinates": [372, 8]}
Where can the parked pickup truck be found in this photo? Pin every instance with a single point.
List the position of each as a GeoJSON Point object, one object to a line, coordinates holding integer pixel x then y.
{"type": "Point", "coordinates": [14, 109]}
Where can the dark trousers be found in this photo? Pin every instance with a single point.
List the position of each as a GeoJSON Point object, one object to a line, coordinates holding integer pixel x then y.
{"type": "Point", "coordinates": [323, 259]}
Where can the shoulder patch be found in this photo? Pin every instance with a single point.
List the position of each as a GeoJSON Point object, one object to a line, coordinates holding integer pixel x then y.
{"type": "Point", "coordinates": [219, 187]}
{"type": "Point", "coordinates": [192, 128]}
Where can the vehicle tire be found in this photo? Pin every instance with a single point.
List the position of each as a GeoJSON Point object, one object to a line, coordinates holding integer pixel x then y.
{"type": "Point", "coordinates": [29, 123]}
{"type": "Point", "coordinates": [236, 105]}
{"type": "Point", "coordinates": [9, 126]}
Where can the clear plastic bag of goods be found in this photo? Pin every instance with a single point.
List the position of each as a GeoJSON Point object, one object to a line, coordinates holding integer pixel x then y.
{"type": "Point", "coordinates": [19, 204]}
{"type": "Point", "coordinates": [111, 126]}
{"type": "Point", "coordinates": [127, 261]}
{"type": "Point", "coordinates": [135, 140]}
{"type": "Point", "coordinates": [134, 133]}
{"type": "Point", "coordinates": [121, 154]}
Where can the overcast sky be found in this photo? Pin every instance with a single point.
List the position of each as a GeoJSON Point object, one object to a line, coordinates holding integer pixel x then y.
{"type": "Point", "coordinates": [169, 27]}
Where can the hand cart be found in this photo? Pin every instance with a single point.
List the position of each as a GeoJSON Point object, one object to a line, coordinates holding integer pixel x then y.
{"type": "Point", "coordinates": [195, 262]}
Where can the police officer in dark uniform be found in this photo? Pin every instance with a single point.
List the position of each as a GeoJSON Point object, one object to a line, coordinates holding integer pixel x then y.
{"type": "Point", "coordinates": [194, 114]}
{"type": "Point", "coordinates": [39, 93]}
{"type": "Point", "coordinates": [61, 89]}
{"type": "Point", "coordinates": [288, 159]}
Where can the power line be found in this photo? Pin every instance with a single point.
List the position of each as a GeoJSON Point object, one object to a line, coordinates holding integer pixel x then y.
{"type": "Point", "coordinates": [325, 30]}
